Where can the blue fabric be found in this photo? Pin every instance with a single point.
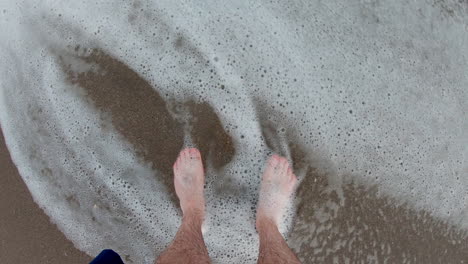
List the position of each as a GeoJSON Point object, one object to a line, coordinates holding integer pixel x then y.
{"type": "Point", "coordinates": [107, 256]}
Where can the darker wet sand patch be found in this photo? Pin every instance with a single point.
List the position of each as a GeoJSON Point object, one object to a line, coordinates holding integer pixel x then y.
{"type": "Point", "coordinates": [135, 109]}
{"type": "Point", "coordinates": [209, 135]}
{"type": "Point", "coordinates": [142, 116]}
{"type": "Point", "coordinates": [369, 228]}
{"type": "Point", "coordinates": [359, 225]}
{"type": "Point", "coordinates": [27, 235]}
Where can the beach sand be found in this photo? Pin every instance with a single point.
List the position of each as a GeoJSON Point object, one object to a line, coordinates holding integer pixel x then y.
{"type": "Point", "coordinates": [27, 235]}
{"type": "Point", "coordinates": [391, 232]}
{"type": "Point", "coordinates": [367, 224]}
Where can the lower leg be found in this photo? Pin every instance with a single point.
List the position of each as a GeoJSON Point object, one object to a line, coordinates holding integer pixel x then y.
{"type": "Point", "coordinates": [273, 247]}
{"type": "Point", "coordinates": [276, 190]}
{"type": "Point", "coordinates": [188, 245]}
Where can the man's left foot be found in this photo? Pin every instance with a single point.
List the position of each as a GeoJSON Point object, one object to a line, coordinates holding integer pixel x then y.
{"type": "Point", "coordinates": [189, 180]}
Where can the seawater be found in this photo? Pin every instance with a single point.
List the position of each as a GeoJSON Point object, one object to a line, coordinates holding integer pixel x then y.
{"type": "Point", "coordinates": [378, 91]}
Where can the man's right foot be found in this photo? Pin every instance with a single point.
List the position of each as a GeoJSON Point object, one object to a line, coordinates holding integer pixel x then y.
{"type": "Point", "coordinates": [276, 190]}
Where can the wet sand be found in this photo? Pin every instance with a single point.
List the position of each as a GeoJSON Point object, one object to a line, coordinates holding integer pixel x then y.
{"type": "Point", "coordinates": [27, 235]}
{"type": "Point", "coordinates": [143, 117]}
{"type": "Point", "coordinates": [327, 229]}
{"type": "Point", "coordinates": [365, 224]}
{"type": "Point", "coordinates": [389, 231]}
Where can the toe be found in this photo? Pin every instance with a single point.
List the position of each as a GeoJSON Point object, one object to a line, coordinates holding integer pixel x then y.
{"type": "Point", "coordinates": [176, 166]}
{"type": "Point", "coordinates": [274, 160]}
{"type": "Point", "coordinates": [194, 153]}
{"type": "Point", "coordinates": [293, 180]}
{"type": "Point", "coordinates": [284, 165]}
{"type": "Point", "coordinates": [177, 162]}
{"type": "Point", "coordinates": [185, 154]}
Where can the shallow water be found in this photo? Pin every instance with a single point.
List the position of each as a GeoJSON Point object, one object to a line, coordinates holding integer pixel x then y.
{"type": "Point", "coordinates": [367, 99]}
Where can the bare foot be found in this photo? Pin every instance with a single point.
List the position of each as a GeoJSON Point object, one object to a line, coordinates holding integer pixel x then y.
{"type": "Point", "coordinates": [276, 190]}
{"type": "Point", "coordinates": [189, 179]}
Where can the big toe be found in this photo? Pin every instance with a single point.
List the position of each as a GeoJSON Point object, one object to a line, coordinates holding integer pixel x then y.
{"type": "Point", "coordinates": [283, 166]}
{"type": "Point", "coordinates": [274, 161]}
{"type": "Point", "coordinates": [292, 182]}
{"type": "Point", "coordinates": [194, 153]}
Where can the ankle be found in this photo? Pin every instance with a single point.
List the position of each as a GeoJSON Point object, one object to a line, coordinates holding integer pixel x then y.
{"type": "Point", "coordinates": [193, 216]}
{"type": "Point", "coordinates": [265, 222]}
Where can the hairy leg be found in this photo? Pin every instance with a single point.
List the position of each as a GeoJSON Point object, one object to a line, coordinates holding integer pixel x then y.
{"type": "Point", "coordinates": [277, 188]}
{"type": "Point", "coordinates": [188, 245]}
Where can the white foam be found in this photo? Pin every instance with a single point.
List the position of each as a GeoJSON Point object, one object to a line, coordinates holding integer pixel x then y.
{"type": "Point", "coordinates": [377, 90]}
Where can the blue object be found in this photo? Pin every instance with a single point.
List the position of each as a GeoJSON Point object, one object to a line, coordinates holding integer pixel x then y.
{"type": "Point", "coordinates": [107, 256]}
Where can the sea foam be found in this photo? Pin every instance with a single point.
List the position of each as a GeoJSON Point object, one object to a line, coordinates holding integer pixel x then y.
{"type": "Point", "coordinates": [379, 91]}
